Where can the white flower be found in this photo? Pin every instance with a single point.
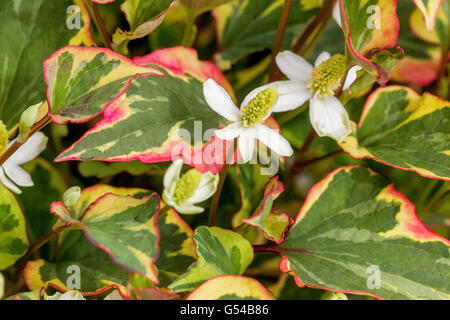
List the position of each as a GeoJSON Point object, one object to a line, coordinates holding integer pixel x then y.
{"type": "Point", "coordinates": [183, 192]}
{"type": "Point", "coordinates": [257, 106]}
{"type": "Point", "coordinates": [11, 174]}
{"type": "Point", "coordinates": [318, 84]}
{"type": "Point", "coordinates": [69, 295]}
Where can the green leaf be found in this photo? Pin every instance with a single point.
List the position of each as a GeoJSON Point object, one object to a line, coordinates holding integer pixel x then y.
{"type": "Point", "coordinates": [103, 169]}
{"type": "Point", "coordinates": [402, 129]}
{"type": "Point", "coordinates": [30, 295]}
{"type": "Point", "coordinates": [96, 270]}
{"type": "Point", "coordinates": [369, 25]}
{"type": "Point", "coordinates": [274, 225]}
{"type": "Point", "coordinates": [81, 81]}
{"type": "Point", "coordinates": [177, 248]}
{"type": "Point", "coordinates": [13, 238]}
{"type": "Point", "coordinates": [31, 31]}
{"type": "Point", "coordinates": [356, 233]}
{"type": "Point", "coordinates": [286, 289]}
{"type": "Point", "coordinates": [199, 6]}
{"type": "Point", "coordinates": [230, 287]}
{"type": "Point", "coordinates": [155, 120]}
{"type": "Point", "coordinates": [220, 252]}
{"type": "Point", "coordinates": [245, 27]}
{"type": "Point", "coordinates": [143, 17]}
{"type": "Point", "coordinates": [122, 226]}
{"type": "Point", "coordinates": [48, 187]}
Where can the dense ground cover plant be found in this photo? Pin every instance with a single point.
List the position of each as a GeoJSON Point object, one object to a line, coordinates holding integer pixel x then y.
{"type": "Point", "coordinates": [224, 149]}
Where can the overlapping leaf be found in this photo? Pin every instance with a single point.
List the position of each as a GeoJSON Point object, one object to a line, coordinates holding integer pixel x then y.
{"type": "Point", "coordinates": [245, 27]}
{"type": "Point", "coordinates": [199, 6]}
{"type": "Point", "coordinates": [13, 238]}
{"type": "Point", "coordinates": [143, 16]}
{"type": "Point", "coordinates": [31, 31]}
{"type": "Point", "coordinates": [274, 225]}
{"type": "Point", "coordinates": [356, 233]}
{"type": "Point", "coordinates": [159, 118]}
{"type": "Point", "coordinates": [429, 10]}
{"type": "Point", "coordinates": [81, 81]}
{"type": "Point", "coordinates": [76, 257]}
{"type": "Point", "coordinates": [124, 227]}
{"type": "Point", "coordinates": [369, 25]}
{"type": "Point", "coordinates": [230, 287]}
{"type": "Point", "coordinates": [220, 252]}
{"type": "Point", "coordinates": [177, 248]}
{"type": "Point", "coordinates": [402, 129]}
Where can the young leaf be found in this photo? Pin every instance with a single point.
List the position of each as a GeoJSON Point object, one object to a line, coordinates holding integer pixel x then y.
{"type": "Point", "coordinates": [124, 227]}
{"type": "Point", "coordinates": [369, 25]}
{"type": "Point", "coordinates": [274, 225]}
{"type": "Point", "coordinates": [81, 81]}
{"type": "Point", "coordinates": [220, 252]}
{"type": "Point", "coordinates": [355, 233]}
{"type": "Point", "coordinates": [77, 257]}
{"type": "Point", "coordinates": [159, 118]}
{"type": "Point", "coordinates": [244, 27]}
{"type": "Point", "coordinates": [230, 287]}
{"type": "Point", "coordinates": [402, 129]}
{"type": "Point", "coordinates": [176, 246]}
{"type": "Point", "coordinates": [429, 10]}
{"type": "Point", "coordinates": [31, 31]}
{"type": "Point", "coordinates": [13, 238]}
{"type": "Point", "coordinates": [143, 16]}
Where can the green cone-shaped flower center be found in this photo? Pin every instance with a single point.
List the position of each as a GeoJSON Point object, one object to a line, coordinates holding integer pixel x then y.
{"type": "Point", "coordinates": [259, 107]}
{"type": "Point", "coordinates": [3, 137]}
{"type": "Point", "coordinates": [186, 186]}
{"type": "Point", "coordinates": [326, 77]}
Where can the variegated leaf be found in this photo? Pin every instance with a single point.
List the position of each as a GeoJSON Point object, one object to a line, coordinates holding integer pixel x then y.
{"type": "Point", "coordinates": [355, 233]}
{"type": "Point", "coordinates": [143, 17]}
{"type": "Point", "coordinates": [230, 287]}
{"type": "Point", "coordinates": [177, 247]}
{"type": "Point", "coordinates": [244, 27]}
{"type": "Point", "coordinates": [13, 238]}
{"type": "Point", "coordinates": [122, 226]}
{"type": "Point", "coordinates": [199, 6]}
{"type": "Point", "coordinates": [404, 130]}
{"type": "Point", "coordinates": [369, 25]}
{"type": "Point", "coordinates": [31, 31]}
{"type": "Point", "coordinates": [220, 252]}
{"type": "Point", "coordinates": [429, 10]}
{"type": "Point", "coordinates": [81, 81]}
{"type": "Point", "coordinates": [274, 225]}
{"type": "Point", "coordinates": [156, 119]}
{"type": "Point", "coordinates": [76, 257]}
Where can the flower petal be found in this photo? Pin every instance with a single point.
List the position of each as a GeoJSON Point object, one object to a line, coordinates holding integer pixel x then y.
{"type": "Point", "coordinates": [7, 183]}
{"type": "Point", "coordinates": [18, 175]}
{"type": "Point", "coordinates": [273, 140]}
{"type": "Point", "coordinates": [293, 66]}
{"type": "Point", "coordinates": [172, 174]}
{"type": "Point", "coordinates": [329, 118]}
{"type": "Point", "coordinates": [188, 209]}
{"type": "Point", "coordinates": [337, 14]}
{"type": "Point", "coordinates": [351, 77]}
{"type": "Point", "coordinates": [246, 144]}
{"type": "Point", "coordinates": [291, 95]}
{"type": "Point", "coordinates": [29, 150]}
{"type": "Point", "coordinates": [230, 132]}
{"type": "Point", "coordinates": [206, 188]}
{"type": "Point", "coordinates": [324, 56]}
{"type": "Point", "coordinates": [219, 100]}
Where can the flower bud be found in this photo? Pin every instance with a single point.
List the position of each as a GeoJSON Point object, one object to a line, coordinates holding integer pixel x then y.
{"type": "Point", "coordinates": [71, 196]}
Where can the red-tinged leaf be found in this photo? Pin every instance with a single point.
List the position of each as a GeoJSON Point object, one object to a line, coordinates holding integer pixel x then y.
{"type": "Point", "coordinates": [355, 233]}
{"type": "Point", "coordinates": [369, 26]}
{"type": "Point", "coordinates": [156, 294]}
{"type": "Point", "coordinates": [230, 287]}
{"type": "Point", "coordinates": [82, 81]}
{"type": "Point", "coordinates": [274, 225]}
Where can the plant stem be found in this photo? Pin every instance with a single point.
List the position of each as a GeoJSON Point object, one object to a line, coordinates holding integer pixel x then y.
{"type": "Point", "coordinates": [274, 72]}
{"type": "Point", "coordinates": [20, 264]}
{"type": "Point", "coordinates": [298, 167]}
{"type": "Point", "coordinates": [323, 15]}
{"type": "Point", "coordinates": [16, 145]}
{"type": "Point", "coordinates": [308, 142]}
{"type": "Point", "coordinates": [189, 29]}
{"type": "Point", "coordinates": [99, 24]}
{"type": "Point", "coordinates": [222, 176]}
{"type": "Point", "coordinates": [274, 248]}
